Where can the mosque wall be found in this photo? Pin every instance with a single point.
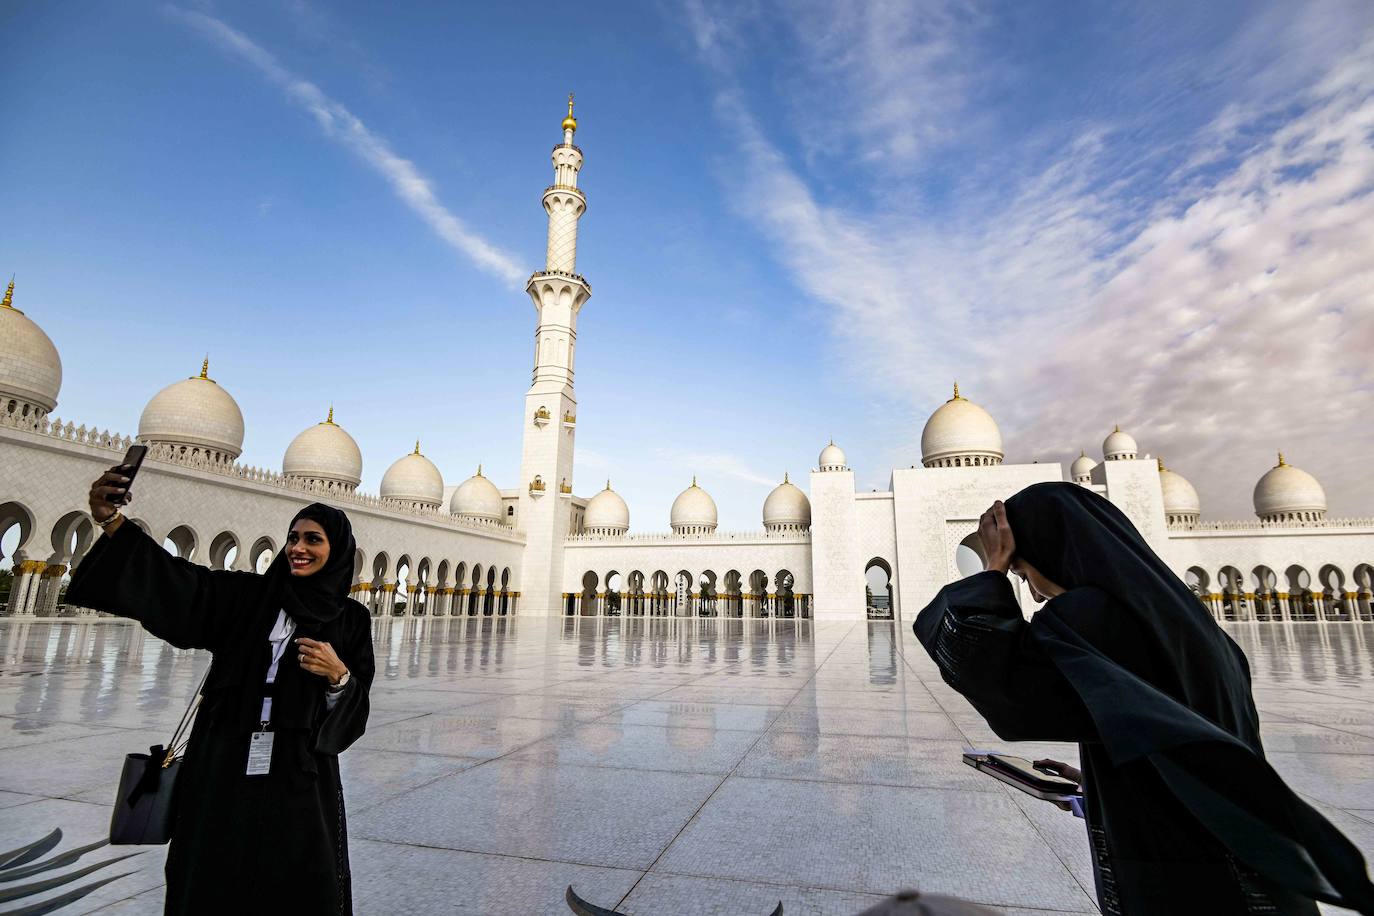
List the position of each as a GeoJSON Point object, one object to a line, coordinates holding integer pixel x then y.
{"type": "Point", "coordinates": [720, 553]}
{"type": "Point", "coordinates": [835, 562]}
{"type": "Point", "coordinates": [206, 513]}
{"type": "Point", "coordinates": [936, 509]}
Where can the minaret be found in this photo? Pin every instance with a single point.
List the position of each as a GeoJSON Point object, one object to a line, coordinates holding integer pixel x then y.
{"type": "Point", "coordinates": [550, 418]}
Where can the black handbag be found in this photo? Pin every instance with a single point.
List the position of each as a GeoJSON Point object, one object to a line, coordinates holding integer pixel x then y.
{"type": "Point", "coordinates": [145, 806]}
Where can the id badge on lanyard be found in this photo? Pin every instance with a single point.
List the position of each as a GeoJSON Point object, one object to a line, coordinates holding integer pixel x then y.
{"type": "Point", "coordinates": [260, 752]}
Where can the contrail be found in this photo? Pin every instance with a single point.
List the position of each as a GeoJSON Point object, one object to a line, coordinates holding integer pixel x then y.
{"type": "Point", "coordinates": [341, 125]}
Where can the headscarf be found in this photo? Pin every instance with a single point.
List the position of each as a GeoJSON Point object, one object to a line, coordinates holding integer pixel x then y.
{"type": "Point", "coordinates": [317, 598]}
{"type": "Point", "coordinates": [1168, 686]}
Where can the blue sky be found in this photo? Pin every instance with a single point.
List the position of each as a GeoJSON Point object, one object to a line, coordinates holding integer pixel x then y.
{"type": "Point", "coordinates": [805, 219]}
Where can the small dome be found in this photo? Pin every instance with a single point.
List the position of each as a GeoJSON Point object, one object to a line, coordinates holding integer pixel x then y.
{"type": "Point", "coordinates": [607, 512]}
{"type": "Point", "coordinates": [476, 498]}
{"type": "Point", "coordinates": [1082, 468]}
{"type": "Point", "coordinates": [324, 452]}
{"type": "Point", "coordinates": [960, 434]}
{"type": "Point", "coordinates": [694, 511]}
{"type": "Point", "coordinates": [1119, 446]}
{"type": "Point", "coordinates": [413, 479]}
{"type": "Point", "coordinates": [1286, 493]}
{"type": "Point", "coordinates": [194, 413]}
{"type": "Point", "coordinates": [1180, 497]}
{"type": "Point", "coordinates": [30, 369]}
{"type": "Point", "coordinates": [833, 458]}
{"type": "Point", "coordinates": [786, 508]}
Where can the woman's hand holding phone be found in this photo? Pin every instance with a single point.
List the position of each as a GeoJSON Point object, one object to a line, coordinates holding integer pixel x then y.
{"type": "Point", "coordinates": [108, 493]}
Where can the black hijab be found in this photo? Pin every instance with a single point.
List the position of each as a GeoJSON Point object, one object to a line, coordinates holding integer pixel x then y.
{"type": "Point", "coordinates": [318, 598]}
{"type": "Point", "coordinates": [1164, 684]}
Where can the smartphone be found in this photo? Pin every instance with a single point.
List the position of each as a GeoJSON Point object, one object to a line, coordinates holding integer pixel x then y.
{"type": "Point", "coordinates": [1022, 774]}
{"type": "Point", "coordinates": [133, 460]}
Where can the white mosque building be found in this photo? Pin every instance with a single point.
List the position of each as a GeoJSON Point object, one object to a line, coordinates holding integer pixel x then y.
{"type": "Point", "coordinates": [537, 549]}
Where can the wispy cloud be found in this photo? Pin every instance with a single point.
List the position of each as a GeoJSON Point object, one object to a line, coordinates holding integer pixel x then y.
{"type": "Point", "coordinates": [1211, 292]}
{"type": "Point", "coordinates": [342, 126]}
{"type": "Point", "coordinates": [715, 464]}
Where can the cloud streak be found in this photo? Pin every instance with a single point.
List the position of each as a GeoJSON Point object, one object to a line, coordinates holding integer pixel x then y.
{"type": "Point", "coordinates": [1212, 292]}
{"type": "Point", "coordinates": [343, 127]}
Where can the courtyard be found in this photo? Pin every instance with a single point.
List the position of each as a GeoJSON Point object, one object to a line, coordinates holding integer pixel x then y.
{"type": "Point", "coordinates": [658, 765]}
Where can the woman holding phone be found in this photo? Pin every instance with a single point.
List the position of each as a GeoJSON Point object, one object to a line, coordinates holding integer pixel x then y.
{"type": "Point", "coordinates": [1184, 814]}
{"type": "Point", "coordinates": [259, 824]}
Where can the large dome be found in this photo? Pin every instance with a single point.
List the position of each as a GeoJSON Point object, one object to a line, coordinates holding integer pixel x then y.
{"type": "Point", "coordinates": [476, 498]}
{"type": "Point", "coordinates": [960, 434]}
{"type": "Point", "coordinates": [606, 513]}
{"type": "Point", "coordinates": [194, 413]}
{"type": "Point", "coordinates": [30, 369]}
{"type": "Point", "coordinates": [786, 508]}
{"type": "Point", "coordinates": [693, 512]}
{"type": "Point", "coordinates": [324, 452]}
{"type": "Point", "coordinates": [413, 479]}
{"type": "Point", "coordinates": [833, 458]}
{"type": "Point", "coordinates": [1082, 468]}
{"type": "Point", "coordinates": [1181, 502]}
{"type": "Point", "coordinates": [1289, 494]}
{"type": "Point", "coordinates": [1119, 446]}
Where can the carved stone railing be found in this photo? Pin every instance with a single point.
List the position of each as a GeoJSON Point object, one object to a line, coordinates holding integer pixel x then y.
{"type": "Point", "coordinates": [177, 456]}
{"type": "Point", "coordinates": [715, 537]}
{"type": "Point", "coordinates": [1257, 525]}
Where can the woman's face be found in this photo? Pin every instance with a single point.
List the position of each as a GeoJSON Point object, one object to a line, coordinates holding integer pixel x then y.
{"type": "Point", "coordinates": [307, 548]}
{"type": "Point", "coordinates": [1042, 589]}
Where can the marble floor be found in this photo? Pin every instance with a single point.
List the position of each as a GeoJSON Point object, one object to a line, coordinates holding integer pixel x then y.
{"type": "Point", "coordinates": [659, 766]}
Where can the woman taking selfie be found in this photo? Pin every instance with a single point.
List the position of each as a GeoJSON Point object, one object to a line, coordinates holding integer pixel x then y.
{"type": "Point", "coordinates": [292, 664]}
{"type": "Point", "coordinates": [1184, 815]}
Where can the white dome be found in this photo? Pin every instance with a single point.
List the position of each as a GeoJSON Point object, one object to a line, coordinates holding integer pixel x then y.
{"type": "Point", "coordinates": [324, 452]}
{"type": "Point", "coordinates": [786, 507]}
{"type": "Point", "coordinates": [413, 479]}
{"type": "Point", "coordinates": [30, 369]}
{"type": "Point", "coordinates": [194, 413]}
{"type": "Point", "coordinates": [1082, 466]}
{"type": "Point", "coordinates": [1180, 497]}
{"type": "Point", "coordinates": [694, 510]}
{"type": "Point", "coordinates": [960, 434]}
{"type": "Point", "coordinates": [1119, 446]}
{"type": "Point", "coordinates": [1288, 491]}
{"type": "Point", "coordinates": [832, 458]}
{"type": "Point", "coordinates": [606, 511]}
{"type": "Point", "coordinates": [476, 497]}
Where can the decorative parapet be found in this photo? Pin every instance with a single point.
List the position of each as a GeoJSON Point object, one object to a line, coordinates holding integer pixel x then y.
{"type": "Point", "coordinates": [714, 537]}
{"type": "Point", "coordinates": [1257, 525]}
{"type": "Point", "coordinates": [561, 275]}
{"type": "Point", "coordinates": [176, 456]}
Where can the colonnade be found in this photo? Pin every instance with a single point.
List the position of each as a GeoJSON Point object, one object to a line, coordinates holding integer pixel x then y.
{"type": "Point", "coordinates": [693, 604]}
{"type": "Point", "coordinates": [1290, 606]}
{"type": "Point", "coordinates": [436, 601]}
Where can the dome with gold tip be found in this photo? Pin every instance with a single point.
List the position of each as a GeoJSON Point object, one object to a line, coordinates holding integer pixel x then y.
{"type": "Point", "coordinates": [476, 498]}
{"type": "Point", "coordinates": [30, 369]}
{"type": "Point", "coordinates": [324, 453]}
{"type": "Point", "coordinates": [1289, 495]}
{"type": "Point", "coordinates": [413, 480]}
{"type": "Point", "coordinates": [1181, 503]}
{"type": "Point", "coordinates": [606, 513]}
{"type": "Point", "coordinates": [194, 415]}
{"type": "Point", "coordinates": [693, 512]}
{"type": "Point", "coordinates": [786, 508]}
{"type": "Point", "coordinates": [960, 434]}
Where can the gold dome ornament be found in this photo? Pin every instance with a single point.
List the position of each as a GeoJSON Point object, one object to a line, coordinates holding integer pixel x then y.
{"type": "Point", "coordinates": [8, 301]}
{"type": "Point", "coordinates": [570, 123]}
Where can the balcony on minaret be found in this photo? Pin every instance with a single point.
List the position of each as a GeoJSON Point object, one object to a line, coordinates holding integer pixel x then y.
{"type": "Point", "coordinates": [565, 488]}
{"type": "Point", "coordinates": [537, 486]}
{"type": "Point", "coordinates": [569, 420]}
{"type": "Point", "coordinates": [542, 417]}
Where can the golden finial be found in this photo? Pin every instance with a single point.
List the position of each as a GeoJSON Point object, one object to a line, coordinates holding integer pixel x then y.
{"type": "Point", "coordinates": [1116, 428]}
{"type": "Point", "coordinates": [8, 301]}
{"type": "Point", "coordinates": [479, 470]}
{"type": "Point", "coordinates": [205, 368]}
{"type": "Point", "coordinates": [956, 393]}
{"type": "Point", "coordinates": [1082, 453]}
{"type": "Point", "coordinates": [570, 123]}
{"type": "Point", "coordinates": [1161, 464]}
{"type": "Point", "coordinates": [417, 446]}
{"type": "Point", "coordinates": [694, 480]}
{"type": "Point", "coordinates": [608, 483]}
{"type": "Point", "coordinates": [330, 419]}
{"type": "Point", "coordinates": [1282, 463]}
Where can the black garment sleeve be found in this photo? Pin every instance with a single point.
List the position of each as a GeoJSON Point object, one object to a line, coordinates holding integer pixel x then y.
{"type": "Point", "coordinates": [131, 575]}
{"type": "Point", "coordinates": [347, 721]}
{"type": "Point", "coordinates": [978, 639]}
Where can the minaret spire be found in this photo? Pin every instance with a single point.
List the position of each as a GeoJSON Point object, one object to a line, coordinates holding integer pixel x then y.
{"type": "Point", "coordinates": [8, 301]}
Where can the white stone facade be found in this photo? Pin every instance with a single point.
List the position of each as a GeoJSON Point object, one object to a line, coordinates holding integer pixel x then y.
{"type": "Point", "coordinates": [537, 549]}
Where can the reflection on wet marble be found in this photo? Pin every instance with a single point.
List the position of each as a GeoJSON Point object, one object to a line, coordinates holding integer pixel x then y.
{"type": "Point", "coordinates": [662, 766]}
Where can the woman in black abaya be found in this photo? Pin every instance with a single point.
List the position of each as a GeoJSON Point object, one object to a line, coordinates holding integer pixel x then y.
{"type": "Point", "coordinates": [1184, 815]}
{"type": "Point", "coordinates": [290, 649]}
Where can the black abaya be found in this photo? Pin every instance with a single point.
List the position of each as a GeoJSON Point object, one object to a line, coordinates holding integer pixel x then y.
{"type": "Point", "coordinates": [1184, 814]}
{"type": "Point", "coordinates": [246, 844]}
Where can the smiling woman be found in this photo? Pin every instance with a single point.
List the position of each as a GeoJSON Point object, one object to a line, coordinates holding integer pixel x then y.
{"type": "Point", "coordinates": [252, 827]}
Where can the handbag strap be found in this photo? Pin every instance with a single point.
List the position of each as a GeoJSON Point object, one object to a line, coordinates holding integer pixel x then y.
{"type": "Point", "coordinates": [177, 746]}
